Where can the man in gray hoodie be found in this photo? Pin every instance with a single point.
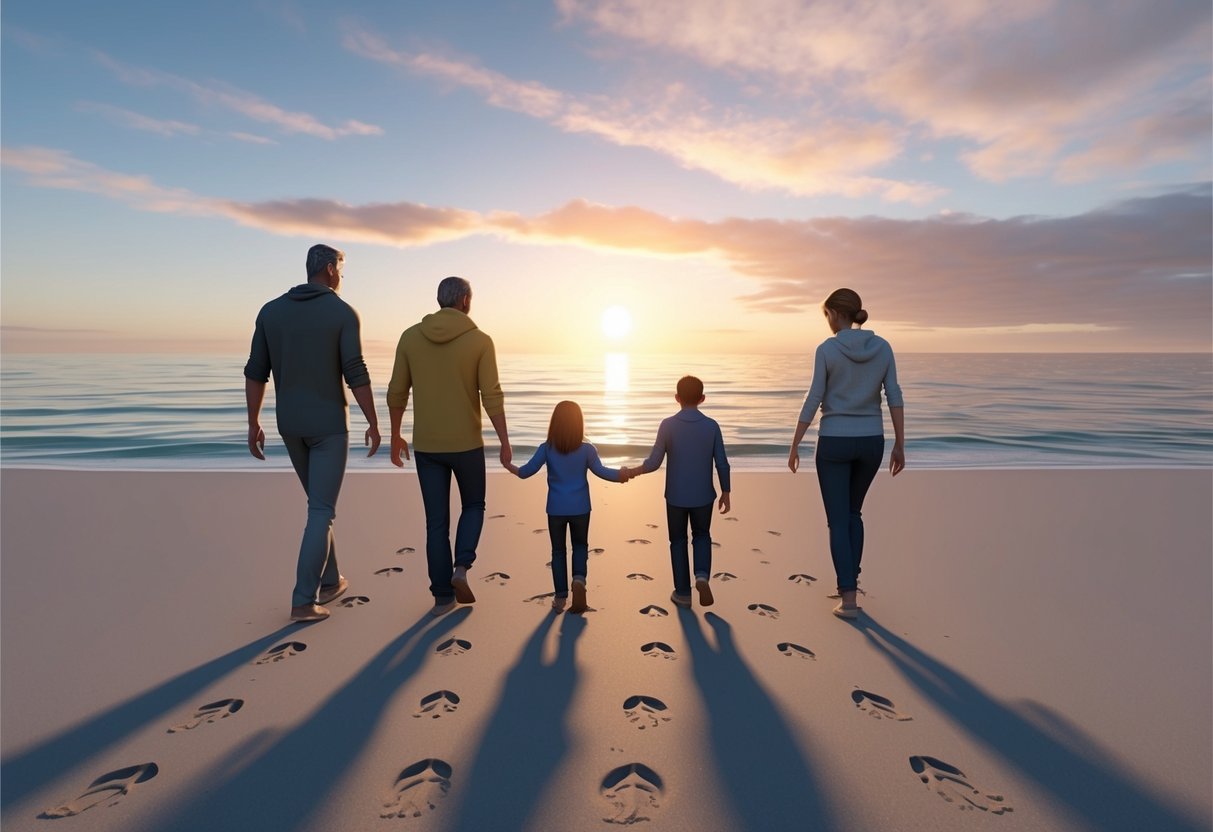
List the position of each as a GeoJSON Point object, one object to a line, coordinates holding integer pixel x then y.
{"type": "Point", "coordinates": [309, 339]}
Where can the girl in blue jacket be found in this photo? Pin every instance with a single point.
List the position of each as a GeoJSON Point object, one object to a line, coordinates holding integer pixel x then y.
{"type": "Point", "coordinates": [568, 457]}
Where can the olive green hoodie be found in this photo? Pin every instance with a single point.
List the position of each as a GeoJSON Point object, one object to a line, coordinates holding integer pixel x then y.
{"type": "Point", "coordinates": [451, 368]}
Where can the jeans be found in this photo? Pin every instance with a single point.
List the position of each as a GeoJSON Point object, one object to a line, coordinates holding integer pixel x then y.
{"type": "Point", "coordinates": [434, 475]}
{"type": "Point", "coordinates": [578, 526]}
{"type": "Point", "coordinates": [320, 463]}
{"type": "Point", "coordinates": [700, 519]}
{"type": "Point", "coordinates": [846, 466]}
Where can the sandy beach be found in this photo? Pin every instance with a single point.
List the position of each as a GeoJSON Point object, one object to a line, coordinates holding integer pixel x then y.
{"type": "Point", "coordinates": [1034, 654]}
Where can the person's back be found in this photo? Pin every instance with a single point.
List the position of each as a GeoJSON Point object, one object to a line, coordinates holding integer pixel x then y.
{"type": "Point", "coordinates": [850, 370]}
{"type": "Point", "coordinates": [310, 340]}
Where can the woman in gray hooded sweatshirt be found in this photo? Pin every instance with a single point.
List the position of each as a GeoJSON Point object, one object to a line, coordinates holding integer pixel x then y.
{"type": "Point", "coordinates": [849, 371]}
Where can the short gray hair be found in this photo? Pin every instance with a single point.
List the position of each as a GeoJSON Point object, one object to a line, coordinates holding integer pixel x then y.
{"type": "Point", "coordinates": [320, 257]}
{"type": "Point", "coordinates": [452, 290]}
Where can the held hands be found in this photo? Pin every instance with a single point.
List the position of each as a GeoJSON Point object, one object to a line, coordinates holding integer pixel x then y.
{"type": "Point", "coordinates": [372, 440]}
{"type": "Point", "coordinates": [512, 468]}
{"type": "Point", "coordinates": [507, 454]}
{"type": "Point", "coordinates": [897, 460]}
{"type": "Point", "coordinates": [256, 441]}
{"type": "Point", "coordinates": [398, 445]}
{"type": "Point", "coordinates": [725, 503]}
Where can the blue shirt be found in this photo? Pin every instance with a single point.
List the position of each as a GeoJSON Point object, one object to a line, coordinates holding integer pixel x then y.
{"type": "Point", "coordinates": [693, 442]}
{"type": "Point", "coordinates": [568, 489]}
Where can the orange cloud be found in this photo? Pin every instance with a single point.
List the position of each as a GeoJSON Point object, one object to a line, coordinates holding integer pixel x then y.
{"type": "Point", "coordinates": [1140, 263]}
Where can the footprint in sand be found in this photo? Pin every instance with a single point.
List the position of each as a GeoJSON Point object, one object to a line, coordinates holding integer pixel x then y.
{"type": "Point", "coordinates": [598, 550]}
{"type": "Point", "coordinates": [638, 576]}
{"type": "Point", "coordinates": [282, 651]}
{"type": "Point", "coordinates": [756, 551]}
{"type": "Point", "coordinates": [715, 544]}
{"type": "Point", "coordinates": [790, 649]}
{"type": "Point", "coordinates": [650, 525]}
{"type": "Point", "coordinates": [545, 598]}
{"type": "Point", "coordinates": [774, 533]}
{"type": "Point", "coordinates": [388, 571]}
{"type": "Point", "coordinates": [209, 713]}
{"type": "Point", "coordinates": [640, 540]}
{"type": "Point", "coordinates": [659, 650]}
{"type": "Point", "coordinates": [405, 550]}
{"type": "Point", "coordinates": [106, 790]}
{"type": "Point", "coordinates": [801, 578]}
{"type": "Point", "coordinates": [953, 786]}
{"type": "Point", "coordinates": [496, 577]}
{"type": "Point", "coordinates": [634, 792]}
{"type": "Point", "coordinates": [725, 576]}
{"type": "Point", "coordinates": [876, 705]}
{"type": "Point", "coordinates": [539, 531]}
{"type": "Point", "coordinates": [653, 611]}
{"type": "Point", "coordinates": [351, 601]}
{"type": "Point", "coordinates": [765, 610]}
{"type": "Point", "coordinates": [496, 516]}
{"type": "Point", "coordinates": [645, 711]}
{"type": "Point", "coordinates": [453, 647]}
{"type": "Point", "coordinates": [437, 703]}
{"type": "Point", "coordinates": [730, 519]}
{"type": "Point", "coordinates": [418, 789]}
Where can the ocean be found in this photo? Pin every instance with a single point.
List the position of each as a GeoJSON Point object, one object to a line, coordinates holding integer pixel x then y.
{"type": "Point", "coordinates": [186, 412]}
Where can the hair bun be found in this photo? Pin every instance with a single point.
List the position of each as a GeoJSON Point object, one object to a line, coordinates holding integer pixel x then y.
{"type": "Point", "coordinates": [861, 316]}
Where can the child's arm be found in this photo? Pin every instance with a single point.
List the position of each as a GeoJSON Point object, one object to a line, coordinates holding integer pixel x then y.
{"type": "Point", "coordinates": [533, 465]}
{"type": "Point", "coordinates": [594, 463]}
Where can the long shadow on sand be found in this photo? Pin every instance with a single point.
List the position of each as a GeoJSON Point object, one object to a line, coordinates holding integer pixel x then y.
{"type": "Point", "coordinates": [26, 772]}
{"type": "Point", "coordinates": [526, 736]}
{"type": "Point", "coordinates": [1065, 764]}
{"type": "Point", "coordinates": [768, 780]}
{"type": "Point", "coordinates": [277, 781]}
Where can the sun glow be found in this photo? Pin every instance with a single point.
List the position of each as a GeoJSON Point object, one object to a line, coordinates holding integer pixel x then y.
{"type": "Point", "coordinates": [616, 322]}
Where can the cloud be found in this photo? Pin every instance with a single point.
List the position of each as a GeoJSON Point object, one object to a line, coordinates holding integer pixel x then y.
{"type": "Point", "coordinates": [802, 156]}
{"type": "Point", "coordinates": [1143, 262]}
{"type": "Point", "coordinates": [239, 101]}
{"type": "Point", "coordinates": [1026, 86]}
{"type": "Point", "coordinates": [138, 121]}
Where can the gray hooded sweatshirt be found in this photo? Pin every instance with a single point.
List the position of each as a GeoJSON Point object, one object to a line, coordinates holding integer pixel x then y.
{"type": "Point", "coordinates": [848, 372]}
{"type": "Point", "coordinates": [309, 339]}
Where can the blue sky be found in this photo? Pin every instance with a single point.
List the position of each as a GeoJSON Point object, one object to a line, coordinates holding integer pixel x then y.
{"type": "Point", "coordinates": [1034, 178]}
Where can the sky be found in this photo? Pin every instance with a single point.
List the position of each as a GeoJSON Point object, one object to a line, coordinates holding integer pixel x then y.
{"type": "Point", "coordinates": [1030, 177]}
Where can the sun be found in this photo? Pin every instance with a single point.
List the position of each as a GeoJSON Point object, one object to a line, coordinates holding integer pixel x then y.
{"type": "Point", "coordinates": [616, 322]}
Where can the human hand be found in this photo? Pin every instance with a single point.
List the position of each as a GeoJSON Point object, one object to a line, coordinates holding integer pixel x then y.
{"type": "Point", "coordinates": [507, 454]}
{"type": "Point", "coordinates": [794, 459]}
{"type": "Point", "coordinates": [897, 460]}
{"type": "Point", "coordinates": [372, 439]}
{"type": "Point", "coordinates": [725, 503]}
{"type": "Point", "coordinates": [512, 468]}
{"type": "Point", "coordinates": [256, 441]}
{"type": "Point", "coordinates": [398, 445]}
{"type": "Point", "coordinates": [625, 474]}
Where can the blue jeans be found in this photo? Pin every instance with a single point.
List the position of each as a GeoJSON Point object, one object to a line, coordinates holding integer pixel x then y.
{"type": "Point", "coordinates": [700, 519]}
{"type": "Point", "coordinates": [578, 526]}
{"type": "Point", "coordinates": [846, 466]}
{"type": "Point", "coordinates": [320, 463]}
{"type": "Point", "coordinates": [434, 472]}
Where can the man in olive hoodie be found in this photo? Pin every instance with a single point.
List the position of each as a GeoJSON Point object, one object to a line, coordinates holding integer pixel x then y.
{"type": "Point", "coordinates": [451, 367]}
{"type": "Point", "coordinates": [309, 339]}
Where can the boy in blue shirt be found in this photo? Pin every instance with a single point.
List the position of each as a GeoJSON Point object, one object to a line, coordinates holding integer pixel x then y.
{"type": "Point", "coordinates": [693, 443]}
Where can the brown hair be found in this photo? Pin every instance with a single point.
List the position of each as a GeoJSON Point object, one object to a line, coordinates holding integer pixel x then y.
{"type": "Point", "coordinates": [690, 390]}
{"type": "Point", "coordinates": [566, 431]}
{"type": "Point", "coordinates": [847, 305]}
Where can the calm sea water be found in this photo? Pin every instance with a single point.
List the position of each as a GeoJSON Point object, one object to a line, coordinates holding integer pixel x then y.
{"type": "Point", "coordinates": [962, 411]}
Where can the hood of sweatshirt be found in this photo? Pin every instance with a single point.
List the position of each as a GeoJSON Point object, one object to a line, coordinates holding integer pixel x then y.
{"type": "Point", "coordinates": [445, 325]}
{"type": "Point", "coordinates": [859, 345]}
{"type": "Point", "coordinates": [309, 291]}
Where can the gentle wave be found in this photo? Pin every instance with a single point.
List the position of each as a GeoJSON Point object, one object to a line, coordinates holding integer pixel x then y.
{"type": "Point", "coordinates": [962, 410]}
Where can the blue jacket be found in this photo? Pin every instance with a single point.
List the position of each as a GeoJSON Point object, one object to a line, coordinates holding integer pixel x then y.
{"type": "Point", "coordinates": [568, 489]}
{"type": "Point", "coordinates": [693, 442]}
